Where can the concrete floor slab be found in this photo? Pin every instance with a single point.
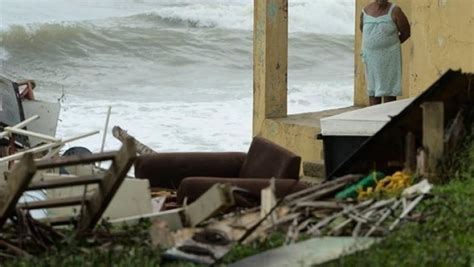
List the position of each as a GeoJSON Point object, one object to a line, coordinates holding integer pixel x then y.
{"type": "Point", "coordinates": [362, 122]}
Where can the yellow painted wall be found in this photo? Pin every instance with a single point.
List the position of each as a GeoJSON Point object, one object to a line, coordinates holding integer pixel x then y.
{"type": "Point", "coordinates": [442, 38]}
{"type": "Point", "coordinates": [299, 139]}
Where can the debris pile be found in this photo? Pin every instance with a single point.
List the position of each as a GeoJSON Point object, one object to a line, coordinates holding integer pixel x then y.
{"type": "Point", "coordinates": [313, 212]}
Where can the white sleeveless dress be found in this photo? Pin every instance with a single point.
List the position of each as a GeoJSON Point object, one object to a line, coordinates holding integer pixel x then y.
{"type": "Point", "coordinates": [381, 54]}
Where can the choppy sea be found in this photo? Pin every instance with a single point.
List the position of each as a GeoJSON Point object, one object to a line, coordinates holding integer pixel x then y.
{"type": "Point", "coordinates": [177, 73]}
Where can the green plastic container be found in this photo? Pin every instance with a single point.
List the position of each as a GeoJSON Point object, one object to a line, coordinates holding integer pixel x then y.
{"type": "Point", "coordinates": [353, 190]}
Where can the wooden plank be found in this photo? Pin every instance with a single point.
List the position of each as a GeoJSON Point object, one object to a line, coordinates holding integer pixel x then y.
{"type": "Point", "coordinates": [75, 160]}
{"type": "Point", "coordinates": [218, 198]}
{"type": "Point", "coordinates": [64, 182]}
{"type": "Point", "coordinates": [53, 203]}
{"type": "Point", "coordinates": [433, 135]}
{"type": "Point", "coordinates": [111, 182]}
{"type": "Point", "coordinates": [18, 180]}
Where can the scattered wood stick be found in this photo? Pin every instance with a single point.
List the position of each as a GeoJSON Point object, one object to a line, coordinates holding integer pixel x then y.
{"type": "Point", "coordinates": [343, 180]}
{"type": "Point", "coordinates": [383, 218]}
{"type": "Point", "coordinates": [18, 251]}
{"type": "Point", "coordinates": [321, 204]}
{"type": "Point", "coordinates": [409, 208]}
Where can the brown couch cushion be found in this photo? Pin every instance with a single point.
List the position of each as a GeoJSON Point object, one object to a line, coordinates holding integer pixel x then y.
{"type": "Point", "coordinates": [266, 159]}
{"type": "Point", "coordinates": [166, 170]}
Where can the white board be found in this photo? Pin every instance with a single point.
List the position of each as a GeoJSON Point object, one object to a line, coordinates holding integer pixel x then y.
{"type": "Point", "coordinates": [48, 121]}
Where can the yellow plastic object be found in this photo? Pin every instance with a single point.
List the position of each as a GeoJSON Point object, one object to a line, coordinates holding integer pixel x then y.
{"type": "Point", "coordinates": [390, 185]}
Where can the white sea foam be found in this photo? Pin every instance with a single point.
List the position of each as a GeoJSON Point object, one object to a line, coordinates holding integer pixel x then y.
{"type": "Point", "coordinates": [184, 126]}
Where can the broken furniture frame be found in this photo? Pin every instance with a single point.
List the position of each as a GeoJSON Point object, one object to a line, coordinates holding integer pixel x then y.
{"type": "Point", "coordinates": [92, 206]}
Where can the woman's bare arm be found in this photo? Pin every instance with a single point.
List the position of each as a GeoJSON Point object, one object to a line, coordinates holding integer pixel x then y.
{"type": "Point", "coordinates": [402, 23]}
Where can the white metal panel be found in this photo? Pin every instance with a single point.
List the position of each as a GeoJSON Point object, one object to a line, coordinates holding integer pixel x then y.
{"type": "Point", "coordinates": [48, 121]}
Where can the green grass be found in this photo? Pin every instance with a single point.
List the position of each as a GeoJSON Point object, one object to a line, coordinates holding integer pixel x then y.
{"type": "Point", "coordinates": [445, 237]}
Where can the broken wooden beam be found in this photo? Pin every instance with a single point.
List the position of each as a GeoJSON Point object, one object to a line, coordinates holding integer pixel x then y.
{"type": "Point", "coordinates": [121, 135]}
{"type": "Point", "coordinates": [218, 198]}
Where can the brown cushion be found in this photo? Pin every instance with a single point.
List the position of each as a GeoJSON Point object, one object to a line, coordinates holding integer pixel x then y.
{"type": "Point", "coordinates": [266, 159]}
{"type": "Point", "coordinates": [193, 187]}
{"type": "Point", "coordinates": [166, 170]}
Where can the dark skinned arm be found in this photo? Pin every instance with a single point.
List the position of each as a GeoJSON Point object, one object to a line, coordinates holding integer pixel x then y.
{"type": "Point", "coordinates": [402, 23]}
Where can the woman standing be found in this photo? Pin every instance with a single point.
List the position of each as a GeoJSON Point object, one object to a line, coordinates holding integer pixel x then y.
{"type": "Point", "coordinates": [384, 28]}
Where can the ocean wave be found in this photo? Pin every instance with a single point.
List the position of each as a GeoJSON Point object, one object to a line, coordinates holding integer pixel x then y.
{"type": "Point", "coordinates": [309, 16]}
{"type": "Point", "coordinates": [55, 38]}
{"type": "Point", "coordinates": [133, 37]}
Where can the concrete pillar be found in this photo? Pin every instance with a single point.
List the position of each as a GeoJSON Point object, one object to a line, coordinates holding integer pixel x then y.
{"type": "Point", "coordinates": [270, 49]}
